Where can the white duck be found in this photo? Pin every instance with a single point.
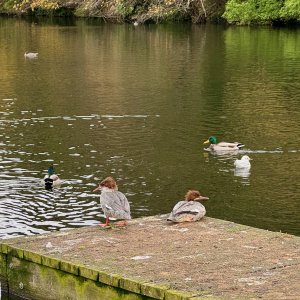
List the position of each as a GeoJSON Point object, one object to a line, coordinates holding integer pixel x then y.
{"type": "Point", "coordinates": [31, 55]}
{"type": "Point", "coordinates": [243, 163]}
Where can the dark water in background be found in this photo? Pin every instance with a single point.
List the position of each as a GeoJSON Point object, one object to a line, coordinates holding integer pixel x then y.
{"type": "Point", "coordinates": [137, 103]}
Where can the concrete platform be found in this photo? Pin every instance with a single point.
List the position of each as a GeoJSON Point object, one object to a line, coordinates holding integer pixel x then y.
{"type": "Point", "coordinates": [152, 259]}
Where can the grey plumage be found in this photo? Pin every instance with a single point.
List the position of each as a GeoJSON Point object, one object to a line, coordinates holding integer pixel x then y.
{"type": "Point", "coordinates": [187, 211]}
{"type": "Point", "coordinates": [115, 204]}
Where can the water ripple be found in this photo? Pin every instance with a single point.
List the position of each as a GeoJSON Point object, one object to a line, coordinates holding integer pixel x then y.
{"type": "Point", "coordinates": [142, 117]}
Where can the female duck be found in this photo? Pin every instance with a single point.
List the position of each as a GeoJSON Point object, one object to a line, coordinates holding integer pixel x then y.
{"type": "Point", "coordinates": [51, 179]}
{"type": "Point", "coordinates": [188, 210]}
{"type": "Point", "coordinates": [114, 203]}
{"type": "Point", "coordinates": [222, 146]}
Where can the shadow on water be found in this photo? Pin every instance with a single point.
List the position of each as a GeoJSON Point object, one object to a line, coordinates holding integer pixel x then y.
{"type": "Point", "coordinates": [62, 21]}
{"type": "Point", "coordinates": [54, 21]}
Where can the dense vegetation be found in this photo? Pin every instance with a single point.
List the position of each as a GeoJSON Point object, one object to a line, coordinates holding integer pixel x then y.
{"type": "Point", "coordinates": [262, 11]}
{"type": "Point", "coordinates": [233, 11]}
{"type": "Point", "coordinates": [121, 10]}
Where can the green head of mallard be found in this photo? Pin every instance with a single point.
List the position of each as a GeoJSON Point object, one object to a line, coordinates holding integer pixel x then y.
{"type": "Point", "coordinates": [51, 170]}
{"type": "Point", "coordinates": [212, 140]}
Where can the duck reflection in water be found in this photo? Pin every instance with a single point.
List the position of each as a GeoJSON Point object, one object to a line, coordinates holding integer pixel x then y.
{"type": "Point", "coordinates": [114, 203]}
{"type": "Point", "coordinates": [188, 210]}
{"type": "Point", "coordinates": [242, 173]}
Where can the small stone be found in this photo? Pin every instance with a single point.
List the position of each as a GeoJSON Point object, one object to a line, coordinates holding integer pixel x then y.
{"type": "Point", "coordinates": [49, 245]}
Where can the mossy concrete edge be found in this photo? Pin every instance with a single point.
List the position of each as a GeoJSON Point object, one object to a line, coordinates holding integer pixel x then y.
{"type": "Point", "coordinates": [149, 289]}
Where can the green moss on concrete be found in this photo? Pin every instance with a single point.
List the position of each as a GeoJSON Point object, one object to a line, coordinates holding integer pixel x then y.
{"type": "Point", "coordinates": [130, 285]}
{"type": "Point", "coordinates": [12, 262]}
{"type": "Point", "coordinates": [177, 295]}
{"type": "Point", "coordinates": [3, 272]}
{"type": "Point", "coordinates": [74, 279]}
{"type": "Point", "coordinates": [18, 275]}
{"type": "Point", "coordinates": [88, 273]}
{"type": "Point", "coordinates": [15, 251]}
{"type": "Point", "coordinates": [153, 290]}
{"type": "Point", "coordinates": [35, 281]}
{"type": "Point", "coordinates": [69, 268]}
{"type": "Point", "coordinates": [109, 279]}
{"type": "Point", "coordinates": [34, 257]}
{"type": "Point", "coordinates": [50, 262]}
{"type": "Point", "coordinates": [3, 264]}
{"type": "Point", "coordinates": [3, 248]}
{"type": "Point", "coordinates": [29, 274]}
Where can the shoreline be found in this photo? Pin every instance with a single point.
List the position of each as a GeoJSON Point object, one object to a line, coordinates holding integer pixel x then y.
{"type": "Point", "coordinates": [135, 12]}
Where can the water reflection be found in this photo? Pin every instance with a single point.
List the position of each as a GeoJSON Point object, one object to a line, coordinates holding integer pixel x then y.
{"type": "Point", "coordinates": [223, 153]}
{"type": "Point", "coordinates": [106, 99]}
{"type": "Point", "coordinates": [244, 173]}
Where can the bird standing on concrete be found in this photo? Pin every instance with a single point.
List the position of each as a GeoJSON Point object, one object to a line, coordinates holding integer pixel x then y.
{"type": "Point", "coordinates": [114, 203]}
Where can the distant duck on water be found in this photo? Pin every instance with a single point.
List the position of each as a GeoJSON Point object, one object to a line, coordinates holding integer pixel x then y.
{"type": "Point", "coordinates": [222, 146]}
{"type": "Point", "coordinates": [51, 179]}
{"type": "Point", "coordinates": [31, 55]}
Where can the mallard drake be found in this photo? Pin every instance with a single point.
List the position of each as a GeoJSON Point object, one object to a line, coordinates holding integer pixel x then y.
{"type": "Point", "coordinates": [31, 55]}
{"type": "Point", "coordinates": [114, 203]}
{"type": "Point", "coordinates": [51, 180]}
{"type": "Point", "coordinates": [243, 163]}
{"type": "Point", "coordinates": [188, 210]}
{"type": "Point", "coordinates": [222, 146]}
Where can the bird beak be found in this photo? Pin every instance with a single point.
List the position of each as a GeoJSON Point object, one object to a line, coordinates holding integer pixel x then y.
{"type": "Point", "coordinates": [202, 198]}
{"type": "Point", "coordinates": [206, 142]}
{"type": "Point", "coordinates": [97, 189]}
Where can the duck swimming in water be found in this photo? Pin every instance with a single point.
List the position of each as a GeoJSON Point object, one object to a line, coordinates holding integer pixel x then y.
{"type": "Point", "coordinates": [222, 146]}
{"type": "Point", "coordinates": [243, 163]}
{"type": "Point", "coordinates": [51, 179]}
{"type": "Point", "coordinates": [31, 55]}
{"type": "Point", "coordinates": [114, 203]}
{"type": "Point", "coordinates": [188, 210]}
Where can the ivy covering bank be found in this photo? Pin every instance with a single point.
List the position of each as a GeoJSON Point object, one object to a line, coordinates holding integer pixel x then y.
{"type": "Point", "coordinates": [262, 11]}
{"type": "Point", "coordinates": [241, 12]}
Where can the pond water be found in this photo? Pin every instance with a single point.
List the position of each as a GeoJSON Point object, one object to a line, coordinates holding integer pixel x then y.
{"type": "Point", "coordinates": [137, 103]}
